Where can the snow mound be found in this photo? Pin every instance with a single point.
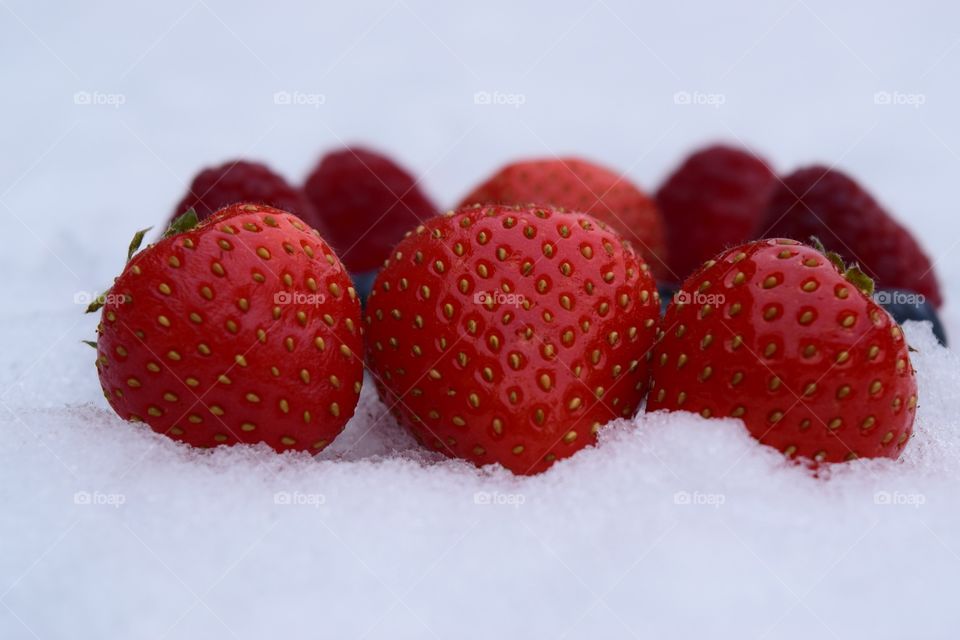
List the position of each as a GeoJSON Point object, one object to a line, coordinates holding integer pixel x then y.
{"type": "Point", "coordinates": [672, 525]}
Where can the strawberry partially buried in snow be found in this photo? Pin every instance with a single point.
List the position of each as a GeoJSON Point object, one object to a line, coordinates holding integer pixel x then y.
{"type": "Point", "coordinates": [510, 334]}
{"type": "Point", "coordinates": [774, 333]}
{"type": "Point", "coordinates": [244, 329]}
{"type": "Point", "coordinates": [580, 185]}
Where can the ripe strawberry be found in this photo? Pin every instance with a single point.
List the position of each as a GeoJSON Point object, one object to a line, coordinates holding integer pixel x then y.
{"type": "Point", "coordinates": [366, 202]}
{"type": "Point", "coordinates": [241, 330]}
{"type": "Point", "coordinates": [579, 185]}
{"type": "Point", "coordinates": [773, 333]}
{"type": "Point", "coordinates": [716, 199]}
{"type": "Point", "coordinates": [240, 181]}
{"type": "Point", "coordinates": [510, 334]}
{"type": "Point", "coordinates": [822, 202]}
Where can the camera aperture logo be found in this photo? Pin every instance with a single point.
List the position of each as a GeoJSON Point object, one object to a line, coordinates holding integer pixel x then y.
{"type": "Point", "coordinates": [906, 298]}
{"type": "Point", "coordinates": [499, 98]}
{"type": "Point", "coordinates": [299, 99]}
{"type": "Point", "coordinates": [699, 499]}
{"type": "Point", "coordinates": [99, 499]}
{"type": "Point", "coordinates": [491, 298]}
{"type": "Point", "coordinates": [299, 298]}
{"type": "Point", "coordinates": [699, 99]}
{"type": "Point", "coordinates": [299, 499]}
{"type": "Point", "coordinates": [495, 498]}
{"type": "Point", "coordinates": [899, 99]}
{"type": "Point", "coordinates": [88, 297]}
{"type": "Point", "coordinates": [698, 297]}
{"type": "Point", "coordinates": [99, 99]}
{"type": "Point", "coordinates": [899, 499]}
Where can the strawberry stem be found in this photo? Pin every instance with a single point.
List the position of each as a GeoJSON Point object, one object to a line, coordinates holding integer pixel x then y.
{"type": "Point", "coordinates": [853, 273]}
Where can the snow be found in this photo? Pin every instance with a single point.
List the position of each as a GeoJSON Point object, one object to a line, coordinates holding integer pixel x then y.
{"type": "Point", "coordinates": [672, 527]}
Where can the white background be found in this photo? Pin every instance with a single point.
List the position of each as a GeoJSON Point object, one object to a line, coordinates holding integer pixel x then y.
{"type": "Point", "coordinates": [387, 543]}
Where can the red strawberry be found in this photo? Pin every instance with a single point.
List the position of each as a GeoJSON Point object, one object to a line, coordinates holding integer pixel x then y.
{"type": "Point", "coordinates": [241, 330]}
{"type": "Point", "coordinates": [239, 181]}
{"type": "Point", "coordinates": [830, 205]}
{"type": "Point", "coordinates": [716, 199]}
{"type": "Point", "coordinates": [773, 333]}
{"type": "Point", "coordinates": [366, 202]}
{"type": "Point", "coordinates": [579, 185]}
{"type": "Point", "coordinates": [510, 334]}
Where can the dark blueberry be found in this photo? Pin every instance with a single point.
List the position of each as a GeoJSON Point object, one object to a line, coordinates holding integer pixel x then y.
{"type": "Point", "coordinates": [666, 295]}
{"type": "Point", "coordinates": [905, 305]}
{"type": "Point", "coordinates": [363, 283]}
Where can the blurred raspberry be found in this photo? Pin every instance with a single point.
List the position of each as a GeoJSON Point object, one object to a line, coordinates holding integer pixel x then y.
{"type": "Point", "coordinates": [367, 202]}
{"type": "Point", "coordinates": [823, 202]}
{"type": "Point", "coordinates": [714, 200]}
{"type": "Point", "coordinates": [242, 181]}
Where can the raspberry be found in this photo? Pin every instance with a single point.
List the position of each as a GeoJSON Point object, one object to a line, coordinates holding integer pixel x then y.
{"type": "Point", "coordinates": [240, 181]}
{"type": "Point", "coordinates": [823, 202]}
{"type": "Point", "coordinates": [367, 202]}
{"type": "Point", "coordinates": [715, 200]}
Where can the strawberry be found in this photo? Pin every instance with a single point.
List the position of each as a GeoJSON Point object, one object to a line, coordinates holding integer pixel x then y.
{"type": "Point", "coordinates": [774, 333]}
{"type": "Point", "coordinates": [240, 181]}
{"type": "Point", "coordinates": [243, 329]}
{"type": "Point", "coordinates": [579, 185]}
{"type": "Point", "coordinates": [822, 202]}
{"type": "Point", "coordinates": [716, 199]}
{"type": "Point", "coordinates": [366, 202]}
{"type": "Point", "coordinates": [511, 333]}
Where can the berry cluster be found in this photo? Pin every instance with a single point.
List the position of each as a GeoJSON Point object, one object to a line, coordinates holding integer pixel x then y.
{"type": "Point", "coordinates": [512, 328]}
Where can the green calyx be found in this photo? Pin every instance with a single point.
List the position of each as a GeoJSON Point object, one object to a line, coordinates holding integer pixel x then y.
{"type": "Point", "coordinates": [180, 224]}
{"type": "Point", "coordinates": [136, 242]}
{"type": "Point", "coordinates": [853, 273]}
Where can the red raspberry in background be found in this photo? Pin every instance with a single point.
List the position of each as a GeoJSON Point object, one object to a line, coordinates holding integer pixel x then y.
{"type": "Point", "coordinates": [716, 199]}
{"type": "Point", "coordinates": [240, 181]}
{"type": "Point", "coordinates": [826, 203]}
{"type": "Point", "coordinates": [579, 185]}
{"type": "Point", "coordinates": [367, 202]}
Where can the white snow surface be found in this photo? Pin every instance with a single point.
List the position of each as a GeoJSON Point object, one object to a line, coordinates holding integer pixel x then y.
{"type": "Point", "coordinates": [672, 527]}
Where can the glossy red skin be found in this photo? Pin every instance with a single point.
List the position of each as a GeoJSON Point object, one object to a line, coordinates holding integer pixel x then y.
{"type": "Point", "coordinates": [241, 181]}
{"type": "Point", "coordinates": [580, 185]}
{"type": "Point", "coordinates": [826, 203]}
{"type": "Point", "coordinates": [715, 394]}
{"type": "Point", "coordinates": [366, 202]}
{"type": "Point", "coordinates": [404, 318]}
{"type": "Point", "coordinates": [715, 200]}
{"type": "Point", "coordinates": [125, 354]}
